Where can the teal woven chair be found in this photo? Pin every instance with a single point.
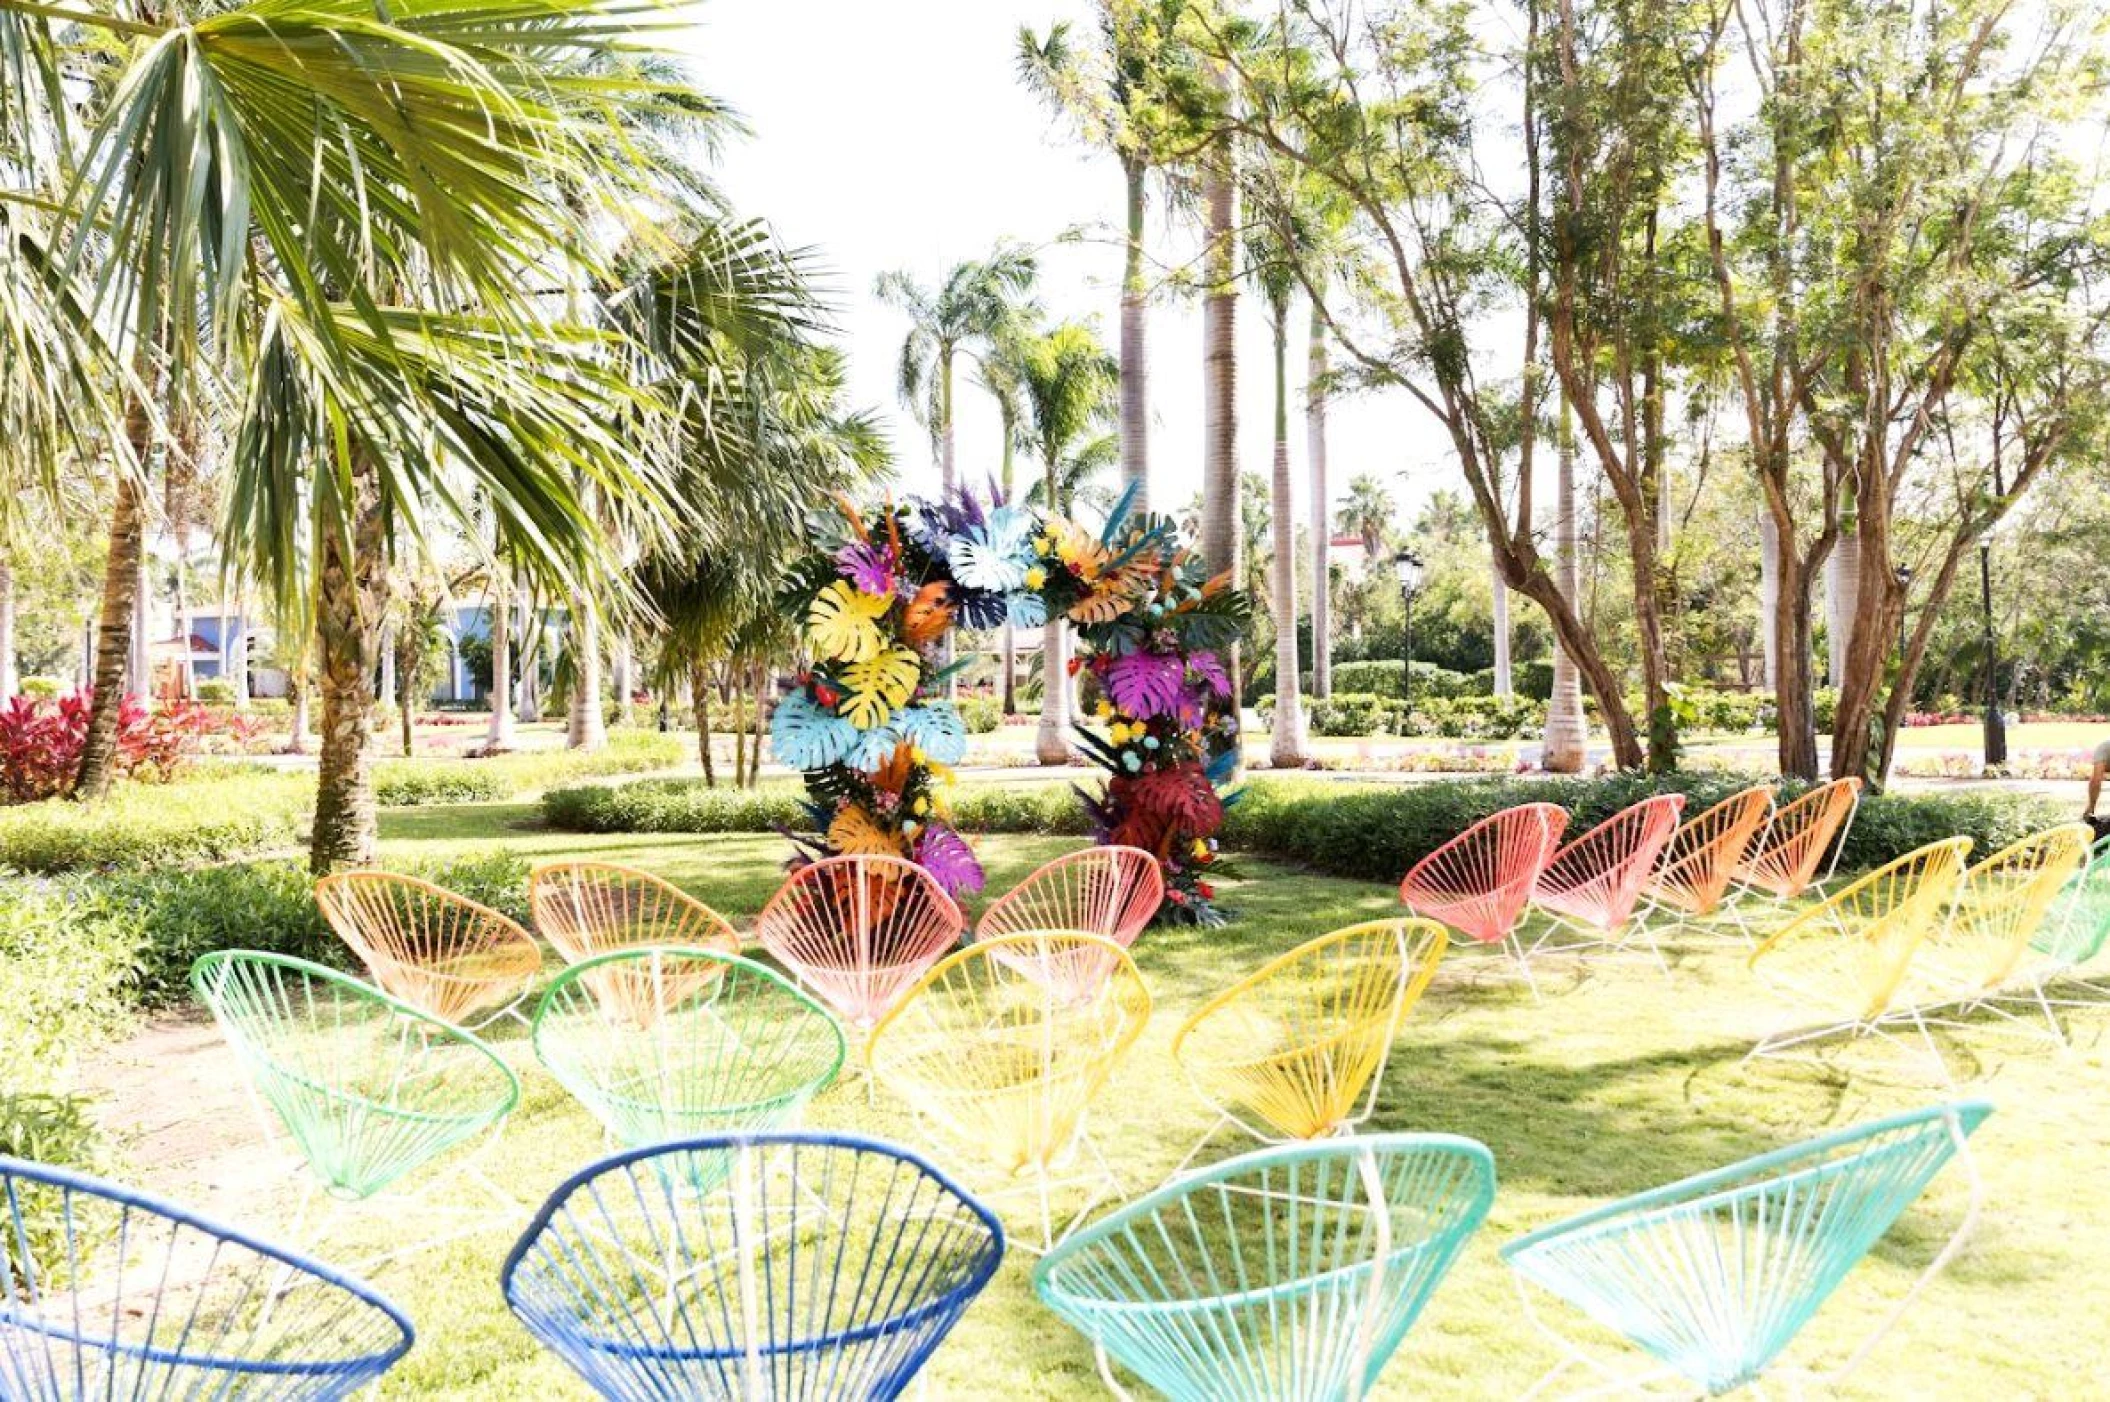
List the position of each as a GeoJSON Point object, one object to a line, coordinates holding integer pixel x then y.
{"type": "Point", "coordinates": [1286, 1275]}
{"type": "Point", "coordinates": [2072, 936]}
{"type": "Point", "coordinates": [1715, 1275]}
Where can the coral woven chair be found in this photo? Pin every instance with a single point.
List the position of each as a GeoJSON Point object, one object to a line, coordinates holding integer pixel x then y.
{"type": "Point", "coordinates": [991, 1050]}
{"type": "Point", "coordinates": [2000, 907]}
{"type": "Point", "coordinates": [366, 1085]}
{"type": "Point", "coordinates": [1295, 1049]}
{"type": "Point", "coordinates": [1593, 884]}
{"type": "Point", "coordinates": [1783, 861]}
{"type": "Point", "coordinates": [444, 954]}
{"type": "Point", "coordinates": [1715, 1275]}
{"type": "Point", "coordinates": [2073, 934]}
{"type": "Point", "coordinates": [108, 1293]}
{"type": "Point", "coordinates": [1839, 965]}
{"type": "Point", "coordinates": [1480, 881]}
{"type": "Point", "coordinates": [1110, 891]}
{"type": "Point", "coordinates": [859, 931]}
{"type": "Point", "coordinates": [1695, 873]}
{"type": "Point", "coordinates": [1290, 1274]}
{"type": "Point", "coordinates": [692, 1041]}
{"type": "Point", "coordinates": [825, 1267]}
{"type": "Point", "coordinates": [586, 909]}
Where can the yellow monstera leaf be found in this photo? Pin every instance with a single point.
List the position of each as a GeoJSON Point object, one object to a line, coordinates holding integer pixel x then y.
{"type": "Point", "coordinates": [879, 686]}
{"type": "Point", "coordinates": [842, 623]}
{"type": "Point", "coordinates": [856, 833]}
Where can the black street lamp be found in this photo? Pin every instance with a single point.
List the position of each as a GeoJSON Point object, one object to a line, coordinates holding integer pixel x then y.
{"type": "Point", "coordinates": [1406, 565]}
{"type": "Point", "coordinates": [1904, 597]}
{"type": "Point", "coordinates": [1995, 723]}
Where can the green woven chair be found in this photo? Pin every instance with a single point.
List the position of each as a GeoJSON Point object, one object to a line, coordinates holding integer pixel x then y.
{"type": "Point", "coordinates": [368, 1087]}
{"type": "Point", "coordinates": [1715, 1275]}
{"type": "Point", "coordinates": [669, 1043]}
{"type": "Point", "coordinates": [1287, 1275]}
{"type": "Point", "coordinates": [2073, 936]}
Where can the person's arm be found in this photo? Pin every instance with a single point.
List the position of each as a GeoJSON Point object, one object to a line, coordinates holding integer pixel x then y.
{"type": "Point", "coordinates": [2095, 787]}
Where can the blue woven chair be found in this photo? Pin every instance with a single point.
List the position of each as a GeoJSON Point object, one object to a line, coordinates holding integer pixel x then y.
{"type": "Point", "coordinates": [107, 1293]}
{"type": "Point", "coordinates": [748, 1266]}
{"type": "Point", "coordinates": [1286, 1275]}
{"type": "Point", "coordinates": [1715, 1275]}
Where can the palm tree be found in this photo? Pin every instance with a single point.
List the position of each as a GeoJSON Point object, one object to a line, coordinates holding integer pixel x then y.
{"type": "Point", "coordinates": [1070, 385]}
{"type": "Point", "coordinates": [1001, 372]}
{"type": "Point", "coordinates": [1273, 243]}
{"type": "Point", "coordinates": [1366, 513]}
{"type": "Point", "coordinates": [1221, 482]}
{"type": "Point", "coordinates": [1110, 92]}
{"type": "Point", "coordinates": [1565, 739]}
{"type": "Point", "coordinates": [963, 313]}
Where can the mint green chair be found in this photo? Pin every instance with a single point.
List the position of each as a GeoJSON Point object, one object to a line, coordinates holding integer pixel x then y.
{"type": "Point", "coordinates": [2073, 935]}
{"type": "Point", "coordinates": [1715, 1275]}
{"type": "Point", "coordinates": [1286, 1275]}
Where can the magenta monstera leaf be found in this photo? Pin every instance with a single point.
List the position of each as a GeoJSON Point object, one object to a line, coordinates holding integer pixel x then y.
{"type": "Point", "coordinates": [1146, 684]}
{"type": "Point", "coordinates": [869, 567]}
{"type": "Point", "coordinates": [1210, 668]}
{"type": "Point", "coordinates": [950, 861]}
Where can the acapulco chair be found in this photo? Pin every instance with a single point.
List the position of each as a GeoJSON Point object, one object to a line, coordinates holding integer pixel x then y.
{"type": "Point", "coordinates": [820, 1267]}
{"type": "Point", "coordinates": [1113, 892]}
{"type": "Point", "coordinates": [1715, 1275]}
{"type": "Point", "coordinates": [1290, 1274]}
{"type": "Point", "coordinates": [860, 931]}
{"type": "Point", "coordinates": [441, 953]}
{"type": "Point", "coordinates": [1784, 859]}
{"type": "Point", "coordinates": [2071, 936]}
{"type": "Point", "coordinates": [106, 1292]}
{"type": "Point", "coordinates": [1698, 867]}
{"type": "Point", "coordinates": [1593, 884]}
{"type": "Point", "coordinates": [586, 909]}
{"type": "Point", "coordinates": [1480, 882]}
{"type": "Point", "coordinates": [1297, 1048]}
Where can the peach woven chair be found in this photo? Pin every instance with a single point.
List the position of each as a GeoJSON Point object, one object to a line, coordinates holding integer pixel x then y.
{"type": "Point", "coordinates": [987, 1049]}
{"type": "Point", "coordinates": [1839, 966]}
{"type": "Point", "coordinates": [1296, 1049]}
{"type": "Point", "coordinates": [2000, 908]}
{"type": "Point", "coordinates": [1593, 885]}
{"type": "Point", "coordinates": [859, 931]}
{"type": "Point", "coordinates": [443, 954]}
{"type": "Point", "coordinates": [1699, 865]}
{"type": "Point", "coordinates": [587, 909]}
{"type": "Point", "coordinates": [1479, 883]}
{"type": "Point", "coordinates": [1784, 858]}
{"type": "Point", "coordinates": [1110, 891]}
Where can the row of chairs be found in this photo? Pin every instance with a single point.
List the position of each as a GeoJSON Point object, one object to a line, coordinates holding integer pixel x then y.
{"type": "Point", "coordinates": [792, 1264]}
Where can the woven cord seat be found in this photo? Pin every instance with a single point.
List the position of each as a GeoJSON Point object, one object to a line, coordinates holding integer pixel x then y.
{"type": "Point", "coordinates": [368, 1087]}
{"type": "Point", "coordinates": [1297, 1048]}
{"type": "Point", "coordinates": [441, 953]}
{"type": "Point", "coordinates": [669, 1043]}
{"type": "Point", "coordinates": [1715, 1275]}
{"type": "Point", "coordinates": [2074, 930]}
{"type": "Point", "coordinates": [1290, 1274]}
{"type": "Point", "coordinates": [1698, 866]}
{"type": "Point", "coordinates": [820, 1267]}
{"type": "Point", "coordinates": [108, 1293]}
{"type": "Point", "coordinates": [586, 909]}
{"type": "Point", "coordinates": [1110, 891]}
{"type": "Point", "coordinates": [1593, 884]}
{"type": "Point", "coordinates": [992, 1050]}
{"type": "Point", "coordinates": [2000, 907]}
{"type": "Point", "coordinates": [1839, 966]}
{"type": "Point", "coordinates": [1480, 882]}
{"type": "Point", "coordinates": [1783, 861]}
{"type": "Point", "coordinates": [860, 931]}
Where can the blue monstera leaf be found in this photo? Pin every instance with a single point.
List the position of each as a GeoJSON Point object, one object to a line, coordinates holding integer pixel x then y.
{"type": "Point", "coordinates": [936, 727]}
{"type": "Point", "coordinates": [1026, 610]}
{"type": "Point", "coordinates": [995, 554]}
{"type": "Point", "coordinates": [806, 735]}
{"type": "Point", "coordinates": [876, 746]}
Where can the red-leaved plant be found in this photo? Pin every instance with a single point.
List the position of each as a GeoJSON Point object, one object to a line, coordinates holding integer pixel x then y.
{"type": "Point", "coordinates": [41, 741]}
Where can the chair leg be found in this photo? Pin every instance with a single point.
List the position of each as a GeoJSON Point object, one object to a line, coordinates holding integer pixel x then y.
{"type": "Point", "coordinates": [1515, 945]}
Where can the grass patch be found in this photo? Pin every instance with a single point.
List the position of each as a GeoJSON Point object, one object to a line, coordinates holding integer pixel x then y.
{"type": "Point", "coordinates": [410, 783]}
{"type": "Point", "coordinates": [205, 819]}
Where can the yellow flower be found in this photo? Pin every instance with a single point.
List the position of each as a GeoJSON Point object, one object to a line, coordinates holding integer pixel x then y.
{"type": "Point", "coordinates": [1042, 545]}
{"type": "Point", "coordinates": [1201, 848]}
{"type": "Point", "coordinates": [1106, 710]}
{"type": "Point", "coordinates": [1036, 577]}
{"type": "Point", "coordinates": [923, 807]}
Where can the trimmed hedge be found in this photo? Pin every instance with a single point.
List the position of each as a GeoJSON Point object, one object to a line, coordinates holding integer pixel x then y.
{"type": "Point", "coordinates": [1351, 714]}
{"type": "Point", "coordinates": [413, 783]}
{"type": "Point", "coordinates": [686, 805]}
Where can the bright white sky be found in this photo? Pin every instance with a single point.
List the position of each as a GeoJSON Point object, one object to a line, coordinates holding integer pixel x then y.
{"type": "Point", "coordinates": [897, 136]}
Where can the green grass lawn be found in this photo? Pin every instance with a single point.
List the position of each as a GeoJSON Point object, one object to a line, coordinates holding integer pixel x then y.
{"type": "Point", "coordinates": [1620, 1080]}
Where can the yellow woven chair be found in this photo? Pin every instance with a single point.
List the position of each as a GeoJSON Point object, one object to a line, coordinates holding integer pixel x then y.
{"type": "Point", "coordinates": [443, 954]}
{"type": "Point", "coordinates": [587, 909]}
{"type": "Point", "coordinates": [1840, 964]}
{"type": "Point", "coordinates": [1999, 910]}
{"type": "Point", "coordinates": [994, 1048]}
{"type": "Point", "coordinates": [1295, 1049]}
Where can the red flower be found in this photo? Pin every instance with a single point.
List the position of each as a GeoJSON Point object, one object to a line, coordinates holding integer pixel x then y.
{"type": "Point", "coordinates": [1176, 897]}
{"type": "Point", "coordinates": [826, 695]}
{"type": "Point", "coordinates": [1074, 664]}
{"type": "Point", "coordinates": [1208, 892]}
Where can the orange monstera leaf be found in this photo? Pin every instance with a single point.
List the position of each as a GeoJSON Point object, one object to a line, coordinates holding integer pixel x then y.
{"type": "Point", "coordinates": [928, 615]}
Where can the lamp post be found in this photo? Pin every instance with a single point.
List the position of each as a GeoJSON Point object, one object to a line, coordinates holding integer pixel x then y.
{"type": "Point", "coordinates": [1406, 565]}
{"type": "Point", "coordinates": [1904, 595]}
{"type": "Point", "coordinates": [1995, 723]}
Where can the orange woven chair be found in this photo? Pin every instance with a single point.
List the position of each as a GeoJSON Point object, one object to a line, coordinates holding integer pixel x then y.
{"type": "Point", "coordinates": [1593, 884]}
{"type": "Point", "coordinates": [443, 954]}
{"type": "Point", "coordinates": [1113, 892]}
{"type": "Point", "coordinates": [586, 909]}
{"type": "Point", "coordinates": [859, 931]}
{"type": "Point", "coordinates": [1783, 861]}
{"type": "Point", "coordinates": [1699, 865]}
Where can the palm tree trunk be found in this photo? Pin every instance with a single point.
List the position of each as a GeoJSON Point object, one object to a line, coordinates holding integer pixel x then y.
{"type": "Point", "coordinates": [1286, 749]}
{"type": "Point", "coordinates": [529, 682]}
{"type": "Point", "coordinates": [499, 736]}
{"type": "Point", "coordinates": [1563, 751]}
{"type": "Point", "coordinates": [700, 700]}
{"type": "Point", "coordinates": [754, 751]}
{"type": "Point", "coordinates": [1051, 743]}
{"type": "Point", "coordinates": [588, 729]}
{"type": "Point", "coordinates": [1135, 363]}
{"type": "Point", "coordinates": [388, 690]}
{"type": "Point", "coordinates": [400, 684]}
{"type": "Point", "coordinates": [1010, 686]}
{"type": "Point", "coordinates": [623, 667]}
{"type": "Point", "coordinates": [738, 701]}
{"type": "Point", "coordinates": [113, 638]}
{"type": "Point", "coordinates": [297, 691]}
{"type": "Point", "coordinates": [1221, 509]}
{"type": "Point", "coordinates": [1321, 516]}
{"type": "Point", "coordinates": [234, 651]}
{"type": "Point", "coordinates": [351, 595]}
{"type": "Point", "coordinates": [10, 672]}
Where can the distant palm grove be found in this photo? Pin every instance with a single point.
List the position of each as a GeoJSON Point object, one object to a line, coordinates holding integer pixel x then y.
{"type": "Point", "coordinates": [1765, 343]}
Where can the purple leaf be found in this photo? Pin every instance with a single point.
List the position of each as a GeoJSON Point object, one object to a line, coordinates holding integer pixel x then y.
{"type": "Point", "coordinates": [950, 861]}
{"type": "Point", "coordinates": [869, 567]}
{"type": "Point", "coordinates": [1146, 684]}
{"type": "Point", "coordinates": [1210, 669]}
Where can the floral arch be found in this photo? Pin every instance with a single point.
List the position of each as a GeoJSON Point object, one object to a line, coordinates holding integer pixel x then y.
{"type": "Point", "coordinates": [870, 728]}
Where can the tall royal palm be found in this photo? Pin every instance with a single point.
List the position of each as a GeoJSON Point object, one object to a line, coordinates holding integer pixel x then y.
{"type": "Point", "coordinates": [1001, 372]}
{"type": "Point", "coordinates": [1273, 241]}
{"type": "Point", "coordinates": [1069, 384]}
{"type": "Point", "coordinates": [964, 313]}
